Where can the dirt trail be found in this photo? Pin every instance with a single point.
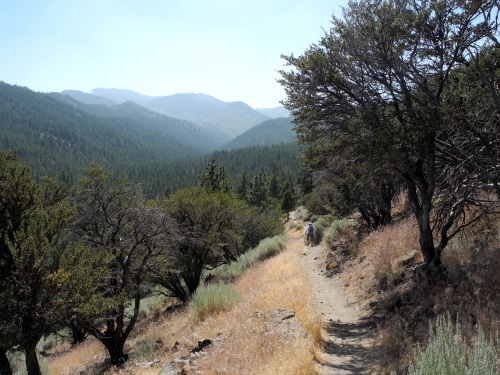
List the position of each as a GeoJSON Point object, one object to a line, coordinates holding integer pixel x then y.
{"type": "Point", "coordinates": [346, 335]}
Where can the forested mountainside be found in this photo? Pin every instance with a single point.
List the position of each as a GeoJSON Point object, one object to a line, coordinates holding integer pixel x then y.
{"type": "Point", "coordinates": [57, 135]}
{"type": "Point", "coordinates": [166, 178]}
{"type": "Point", "coordinates": [61, 139]}
{"type": "Point", "coordinates": [88, 98]}
{"type": "Point", "coordinates": [231, 118]}
{"type": "Point", "coordinates": [270, 132]}
{"type": "Point", "coordinates": [134, 117]}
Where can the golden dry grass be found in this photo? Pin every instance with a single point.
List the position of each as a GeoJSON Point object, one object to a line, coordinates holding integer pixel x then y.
{"type": "Point", "coordinates": [68, 361]}
{"type": "Point", "coordinates": [389, 244]}
{"type": "Point", "coordinates": [242, 344]}
{"type": "Point", "coordinates": [246, 347]}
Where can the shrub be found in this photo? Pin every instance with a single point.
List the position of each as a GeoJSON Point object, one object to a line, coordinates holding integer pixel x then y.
{"type": "Point", "coordinates": [319, 227]}
{"type": "Point", "coordinates": [315, 203]}
{"type": "Point", "coordinates": [147, 348]}
{"type": "Point", "coordinates": [446, 353]}
{"type": "Point", "coordinates": [337, 227]}
{"type": "Point", "coordinates": [43, 362]}
{"type": "Point", "coordinates": [267, 248]}
{"type": "Point", "coordinates": [213, 298]}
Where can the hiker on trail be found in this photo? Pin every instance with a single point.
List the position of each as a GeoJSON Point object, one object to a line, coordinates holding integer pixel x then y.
{"type": "Point", "coordinates": [309, 234]}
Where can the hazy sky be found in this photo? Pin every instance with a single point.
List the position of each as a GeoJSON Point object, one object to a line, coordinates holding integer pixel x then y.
{"type": "Point", "coordinates": [229, 49]}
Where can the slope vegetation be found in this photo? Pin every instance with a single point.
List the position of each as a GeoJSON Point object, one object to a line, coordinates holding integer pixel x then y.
{"type": "Point", "coordinates": [270, 132]}
{"type": "Point", "coordinates": [61, 139]}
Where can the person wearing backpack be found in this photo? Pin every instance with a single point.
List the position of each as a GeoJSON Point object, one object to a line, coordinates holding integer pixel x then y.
{"type": "Point", "coordinates": [309, 234]}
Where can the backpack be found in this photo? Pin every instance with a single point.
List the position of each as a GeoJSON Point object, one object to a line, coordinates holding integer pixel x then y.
{"type": "Point", "coordinates": [310, 229]}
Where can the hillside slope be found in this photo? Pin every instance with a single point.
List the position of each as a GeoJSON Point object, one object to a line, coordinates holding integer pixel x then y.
{"type": "Point", "coordinates": [270, 132]}
{"type": "Point", "coordinates": [130, 115]}
{"type": "Point", "coordinates": [225, 119]}
{"type": "Point", "coordinates": [57, 138]}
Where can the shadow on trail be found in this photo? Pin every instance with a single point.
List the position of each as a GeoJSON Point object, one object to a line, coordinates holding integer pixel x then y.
{"type": "Point", "coordinates": [346, 342]}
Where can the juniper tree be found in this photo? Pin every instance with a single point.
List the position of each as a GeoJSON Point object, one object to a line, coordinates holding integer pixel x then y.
{"type": "Point", "coordinates": [114, 216]}
{"type": "Point", "coordinates": [45, 277]}
{"type": "Point", "coordinates": [378, 82]}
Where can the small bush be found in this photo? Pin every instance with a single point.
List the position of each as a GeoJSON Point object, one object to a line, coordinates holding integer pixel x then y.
{"type": "Point", "coordinates": [146, 349]}
{"type": "Point", "coordinates": [213, 298]}
{"type": "Point", "coordinates": [336, 228]}
{"type": "Point", "coordinates": [446, 353]}
{"type": "Point", "coordinates": [267, 248]}
{"type": "Point", "coordinates": [43, 362]}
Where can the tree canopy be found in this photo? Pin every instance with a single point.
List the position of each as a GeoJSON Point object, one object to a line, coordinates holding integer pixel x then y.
{"type": "Point", "coordinates": [380, 91]}
{"type": "Point", "coordinates": [45, 277]}
{"type": "Point", "coordinates": [113, 216]}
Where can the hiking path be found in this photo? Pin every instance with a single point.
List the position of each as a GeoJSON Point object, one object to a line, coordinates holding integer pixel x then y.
{"type": "Point", "coordinates": [346, 333]}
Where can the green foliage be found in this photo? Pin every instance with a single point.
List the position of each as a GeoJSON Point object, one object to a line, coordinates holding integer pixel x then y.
{"type": "Point", "coordinates": [267, 248]}
{"type": "Point", "coordinates": [215, 179]}
{"type": "Point", "coordinates": [213, 298]}
{"type": "Point", "coordinates": [336, 228]}
{"type": "Point", "coordinates": [305, 180]}
{"type": "Point", "coordinates": [45, 276]}
{"type": "Point", "coordinates": [114, 217]}
{"type": "Point", "coordinates": [288, 198]}
{"type": "Point", "coordinates": [257, 225]}
{"type": "Point", "coordinates": [216, 228]}
{"type": "Point", "coordinates": [381, 98]}
{"type": "Point", "coordinates": [315, 203]}
{"type": "Point", "coordinates": [446, 353]}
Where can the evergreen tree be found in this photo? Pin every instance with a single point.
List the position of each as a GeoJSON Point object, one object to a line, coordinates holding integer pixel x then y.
{"type": "Point", "coordinates": [114, 217]}
{"type": "Point", "coordinates": [288, 199]}
{"type": "Point", "coordinates": [305, 180]}
{"type": "Point", "coordinates": [215, 178]}
{"type": "Point", "coordinates": [275, 182]}
{"type": "Point", "coordinates": [259, 191]}
{"type": "Point", "coordinates": [45, 277]}
{"type": "Point", "coordinates": [243, 187]}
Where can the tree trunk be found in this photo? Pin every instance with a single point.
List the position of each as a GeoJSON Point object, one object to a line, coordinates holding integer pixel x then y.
{"type": "Point", "coordinates": [114, 346]}
{"type": "Point", "coordinates": [77, 332]}
{"type": "Point", "coordinates": [421, 204]}
{"type": "Point", "coordinates": [32, 365]}
{"type": "Point", "coordinates": [5, 368]}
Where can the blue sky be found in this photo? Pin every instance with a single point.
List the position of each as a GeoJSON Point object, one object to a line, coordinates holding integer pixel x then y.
{"type": "Point", "coordinates": [228, 49]}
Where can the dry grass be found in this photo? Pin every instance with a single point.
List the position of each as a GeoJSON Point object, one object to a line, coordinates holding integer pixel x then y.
{"type": "Point", "coordinates": [246, 347]}
{"type": "Point", "coordinates": [406, 300]}
{"type": "Point", "coordinates": [379, 256]}
{"type": "Point", "coordinates": [387, 247]}
{"type": "Point", "coordinates": [241, 343]}
{"type": "Point", "coordinates": [69, 361]}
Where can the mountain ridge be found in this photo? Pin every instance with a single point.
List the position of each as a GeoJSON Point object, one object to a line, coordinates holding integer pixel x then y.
{"type": "Point", "coordinates": [228, 119]}
{"type": "Point", "coordinates": [270, 132]}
